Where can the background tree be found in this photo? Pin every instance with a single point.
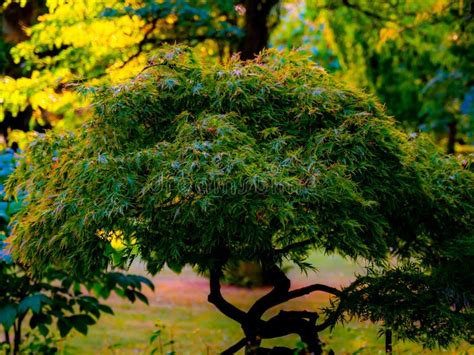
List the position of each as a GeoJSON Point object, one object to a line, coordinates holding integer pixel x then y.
{"type": "Point", "coordinates": [416, 56]}
{"type": "Point", "coordinates": [13, 20]}
{"type": "Point", "coordinates": [207, 164]}
{"type": "Point", "coordinates": [93, 41]}
{"type": "Point", "coordinates": [30, 308]}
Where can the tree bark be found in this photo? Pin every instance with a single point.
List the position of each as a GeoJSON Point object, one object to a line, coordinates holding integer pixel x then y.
{"type": "Point", "coordinates": [452, 132]}
{"type": "Point", "coordinates": [256, 28]}
{"type": "Point", "coordinates": [14, 20]}
{"type": "Point", "coordinates": [17, 337]}
{"type": "Point", "coordinates": [302, 323]}
{"type": "Point", "coordinates": [257, 34]}
{"type": "Point", "coordinates": [7, 340]}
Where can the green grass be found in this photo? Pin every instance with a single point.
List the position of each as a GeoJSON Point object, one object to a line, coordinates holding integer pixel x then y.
{"type": "Point", "coordinates": [180, 307]}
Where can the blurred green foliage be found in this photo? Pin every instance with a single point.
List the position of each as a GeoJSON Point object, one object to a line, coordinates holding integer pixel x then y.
{"type": "Point", "coordinates": [416, 56]}
{"type": "Point", "coordinates": [95, 40]}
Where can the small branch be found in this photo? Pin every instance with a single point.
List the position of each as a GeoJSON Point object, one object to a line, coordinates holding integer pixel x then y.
{"type": "Point", "coordinates": [215, 297]}
{"type": "Point", "coordinates": [141, 43]}
{"type": "Point", "coordinates": [290, 247]}
{"type": "Point", "coordinates": [236, 347]}
{"type": "Point", "coordinates": [364, 11]}
{"type": "Point", "coordinates": [312, 288]}
{"type": "Point", "coordinates": [274, 299]}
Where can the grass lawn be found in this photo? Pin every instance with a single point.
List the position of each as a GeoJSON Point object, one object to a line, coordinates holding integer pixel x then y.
{"type": "Point", "coordinates": [179, 306]}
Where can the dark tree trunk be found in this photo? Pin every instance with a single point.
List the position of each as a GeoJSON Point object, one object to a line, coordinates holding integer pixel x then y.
{"type": "Point", "coordinates": [302, 323]}
{"type": "Point", "coordinates": [257, 34]}
{"type": "Point", "coordinates": [388, 342]}
{"type": "Point", "coordinates": [7, 339]}
{"type": "Point", "coordinates": [452, 132]}
{"type": "Point", "coordinates": [256, 27]}
{"type": "Point", "coordinates": [14, 20]}
{"type": "Point", "coordinates": [17, 338]}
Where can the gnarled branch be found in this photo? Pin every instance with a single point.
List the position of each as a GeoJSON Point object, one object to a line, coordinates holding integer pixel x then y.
{"type": "Point", "coordinates": [280, 293]}
{"type": "Point", "coordinates": [215, 297]}
{"type": "Point", "coordinates": [236, 347]}
{"type": "Point", "coordinates": [301, 323]}
{"type": "Point", "coordinates": [281, 286]}
{"type": "Point", "coordinates": [311, 288]}
{"type": "Point", "coordinates": [141, 43]}
{"type": "Point", "coordinates": [371, 14]}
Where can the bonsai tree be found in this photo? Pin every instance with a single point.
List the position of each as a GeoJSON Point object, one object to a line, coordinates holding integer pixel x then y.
{"type": "Point", "coordinates": [205, 164]}
{"type": "Point", "coordinates": [55, 299]}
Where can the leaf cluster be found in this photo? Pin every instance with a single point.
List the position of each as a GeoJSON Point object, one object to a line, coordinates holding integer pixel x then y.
{"type": "Point", "coordinates": [432, 309]}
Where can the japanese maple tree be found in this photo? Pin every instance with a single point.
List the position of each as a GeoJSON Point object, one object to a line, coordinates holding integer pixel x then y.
{"type": "Point", "coordinates": [209, 164]}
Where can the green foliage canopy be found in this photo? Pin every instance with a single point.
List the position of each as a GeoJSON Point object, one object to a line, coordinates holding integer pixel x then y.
{"type": "Point", "coordinates": [416, 56]}
{"type": "Point", "coordinates": [208, 164]}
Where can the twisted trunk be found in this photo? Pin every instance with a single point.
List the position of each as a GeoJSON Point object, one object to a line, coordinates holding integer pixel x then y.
{"type": "Point", "coordinates": [256, 27]}
{"type": "Point", "coordinates": [302, 323]}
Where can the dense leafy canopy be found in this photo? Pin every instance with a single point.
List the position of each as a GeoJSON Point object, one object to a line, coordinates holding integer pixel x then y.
{"type": "Point", "coordinates": [193, 162]}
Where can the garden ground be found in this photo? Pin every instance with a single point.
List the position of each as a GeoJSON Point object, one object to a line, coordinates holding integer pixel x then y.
{"type": "Point", "coordinates": [180, 309]}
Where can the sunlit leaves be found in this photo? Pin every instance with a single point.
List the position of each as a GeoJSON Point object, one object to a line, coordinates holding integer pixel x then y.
{"type": "Point", "coordinates": [92, 41]}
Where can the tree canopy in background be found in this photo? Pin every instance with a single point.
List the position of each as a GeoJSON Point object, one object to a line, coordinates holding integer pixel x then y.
{"type": "Point", "coordinates": [416, 56]}
{"type": "Point", "coordinates": [194, 162]}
